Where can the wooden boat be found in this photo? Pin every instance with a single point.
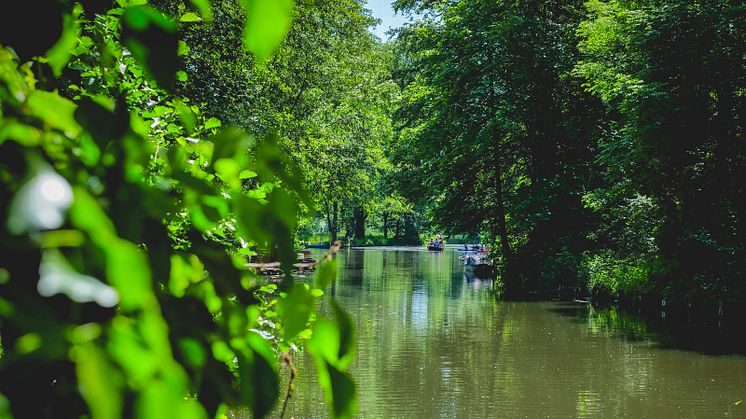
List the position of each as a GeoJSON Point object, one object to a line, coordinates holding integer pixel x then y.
{"type": "Point", "coordinates": [301, 266]}
{"type": "Point", "coordinates": [436, 248]}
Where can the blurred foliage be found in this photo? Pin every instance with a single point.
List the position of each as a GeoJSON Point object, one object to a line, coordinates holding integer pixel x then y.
{"type": "Point", "coordinates": [128, 214]}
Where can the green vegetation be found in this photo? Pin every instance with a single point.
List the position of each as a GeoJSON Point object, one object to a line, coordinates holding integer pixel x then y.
{"type": "Point", "coordinates": [150, 149]}
{"type": "Point", "coordinates": [599, 143]}
{"type": "Point", "coordinates": [128, 214]}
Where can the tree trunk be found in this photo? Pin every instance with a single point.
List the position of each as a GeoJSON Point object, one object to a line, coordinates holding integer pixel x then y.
{"type": "Point", "coordinates": [385, 224]}
{"type": "Point", "coordinates": [499, 228]}
{"type": "Point", "coordinates": [359, 223]}
{"type": "Point", "coordinates": [332, 220]}
{"type": "Point", "coordinates": [396, 231]}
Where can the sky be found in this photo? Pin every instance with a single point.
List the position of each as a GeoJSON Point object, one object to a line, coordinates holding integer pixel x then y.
{"type": "Point", "coordinates": [382, 10]}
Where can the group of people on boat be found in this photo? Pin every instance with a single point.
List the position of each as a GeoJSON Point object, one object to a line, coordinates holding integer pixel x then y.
{"type": "Point", "coordinates": [437, 243]}
{"type": "Point", "coordinates": [475, 248]}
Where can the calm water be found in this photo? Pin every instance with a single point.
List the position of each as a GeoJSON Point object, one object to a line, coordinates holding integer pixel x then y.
{"type": "Point", "coordinates": [433, 342]}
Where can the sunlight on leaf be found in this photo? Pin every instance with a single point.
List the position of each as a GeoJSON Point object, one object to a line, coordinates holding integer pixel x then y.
{"type": "Point", "coordinates": [267, 22]}
{"type": "Point", "coordinates": [204, 7]}
{"type": "Point", "coordinates": [295, 310]}
{"type": "Point", "coordinates": [189, 17]}
{"type": "Point", "coordinates": [54, 110]}
{"type": "Point", "coordinates": [61, 51]}
{"type": "Point", "coordinates": [99, 382]}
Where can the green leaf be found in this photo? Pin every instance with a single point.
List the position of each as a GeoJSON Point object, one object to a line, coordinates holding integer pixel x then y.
{"type": "Point", "coordinates": [88, 216]}
{"type": "Point", "coordinates": [295, 310]}
{"type": "Point", "coordinates": [267, 22]}
{"type": "Point", "coordinates": [338, 386]}
{"type": "Point", "coordinates": [346, 334]}
{"type": "Point", "coordinates": [181, 76]}
{"type": "Point", "coordinates": [187, 117]}
{"type": "Point", "coordinates": [98, 381]}
{"type": "Point", "coordinates": [204, 7]}
{"type": "Point", "coordinates": [23, 134]}
{"type": "Point", "coordinates": [325, 273]}
{"type": "Point", "coordinates": [212, 123]}
{"type": "Point", "coordinates": [126, 348]}
{"type": "Point", "coordinates": [272, 163]}
{"type": "Point", "coordinates": [127, 268]}
{"type": "Point", "coordinates": [344, 397]}
{"type": "Point", "coordinates": [324, 342]}
{"type": "Point", "coordinates": [247, 174]}
{"type": "Point", "coordinates": [62, 50]}
{"type": "Point", "coordinates": [190, 17]}
{"type": "Point", "coordinates": [54, 110]}
{"type": "Point", "coordinates": [194, 353]}
{"type": "Point", "coordinates": [259, 385]}
{"type": "Point", "coordinates": [182, 49]}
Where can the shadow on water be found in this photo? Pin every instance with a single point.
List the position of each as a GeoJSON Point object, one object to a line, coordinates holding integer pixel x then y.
{"type": "Point", "coordinates": [434, 341]}
{"type": "Point", "coordinates": [681, 331]}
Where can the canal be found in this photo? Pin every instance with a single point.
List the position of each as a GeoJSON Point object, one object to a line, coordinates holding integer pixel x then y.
{"type": "Point", "coordinates": [433, 342]}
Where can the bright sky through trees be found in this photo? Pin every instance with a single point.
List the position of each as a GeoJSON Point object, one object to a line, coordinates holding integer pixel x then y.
{"type": "Point", "coordinates": [389, 19]}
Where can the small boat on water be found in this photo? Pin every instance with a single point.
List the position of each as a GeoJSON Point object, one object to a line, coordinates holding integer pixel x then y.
{"type": "Point", "coordinates": [473, 248]}
{"type": "Point", "coordinates": [437, 244]}
{"type": "Point", "coordinates": [479, 264]}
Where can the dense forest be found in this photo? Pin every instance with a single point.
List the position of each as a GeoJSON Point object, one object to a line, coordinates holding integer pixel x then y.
{"type": "Point", "coordinates": [148, 150]}
{"type": "Point", "coordinates": [599, 144]}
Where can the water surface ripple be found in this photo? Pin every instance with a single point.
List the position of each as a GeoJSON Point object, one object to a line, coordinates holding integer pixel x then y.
{"type": "Point", "coordinates": [433, 342]}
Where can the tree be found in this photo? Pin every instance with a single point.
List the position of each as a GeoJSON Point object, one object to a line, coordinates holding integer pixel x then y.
{"type": "Point", "coordinates": [135, 211]}
{"type": "Point", "coordinates": [671, 77]}
{"type": "Point", "coordinates": [327, 90]}
{"type": "Point", "coordinates": [498, 131]}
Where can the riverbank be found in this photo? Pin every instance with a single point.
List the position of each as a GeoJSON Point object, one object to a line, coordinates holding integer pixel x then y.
{"type": "Point", "coordinates": [707, 327]}
{"type": "Point", "coordinates": [703, 326]}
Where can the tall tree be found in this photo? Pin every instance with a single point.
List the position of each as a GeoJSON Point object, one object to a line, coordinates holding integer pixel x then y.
{"type": "Point", "coordinates": [671, 74]}
{"type": "Point", "coordinates": [497, 129]}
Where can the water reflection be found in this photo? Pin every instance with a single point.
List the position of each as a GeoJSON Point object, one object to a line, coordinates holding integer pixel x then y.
{"type": "Point", "coordinates": [433, 342]}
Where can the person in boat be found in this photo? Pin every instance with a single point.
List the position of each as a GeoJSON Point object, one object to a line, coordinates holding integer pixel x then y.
{"type": "Point", "coordinates": [466, 246]}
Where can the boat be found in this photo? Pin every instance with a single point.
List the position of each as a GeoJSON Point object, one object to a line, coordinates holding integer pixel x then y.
{"type": "Point", "coordinates": [470, 249]}
{"type": "Point", "coordinates": [317, 246]}
{"type": "Point", "coordinates": [437, 244]}
{"type": "Point", "coordinates": [478, 264]}
{"type": "Point", "coordinates": [304, 264]}
{"type": "Point", "coordinates": [469, 260]}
